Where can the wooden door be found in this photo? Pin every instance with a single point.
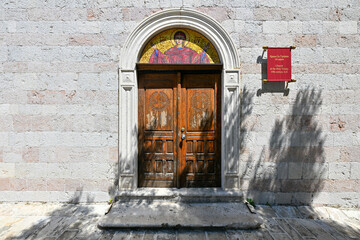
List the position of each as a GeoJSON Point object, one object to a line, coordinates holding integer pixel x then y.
{"type": "Point", "coordinates": [157, 129]}
{"type": "Point", "coordinates": [179, 129]}
{"type": "Point", "coordinates": [199, 152]}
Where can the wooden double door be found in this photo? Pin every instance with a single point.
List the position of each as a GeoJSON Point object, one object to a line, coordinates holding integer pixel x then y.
{"type": "Point", "coordinates": [179, 129]}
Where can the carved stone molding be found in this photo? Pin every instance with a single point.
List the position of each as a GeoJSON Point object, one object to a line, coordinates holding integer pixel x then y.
{"type": "Point", "coordinates": [128, 99]}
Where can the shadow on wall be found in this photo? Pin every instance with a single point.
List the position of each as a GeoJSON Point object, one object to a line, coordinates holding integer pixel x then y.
{"type": "Point", "coordinates": [292, 168]}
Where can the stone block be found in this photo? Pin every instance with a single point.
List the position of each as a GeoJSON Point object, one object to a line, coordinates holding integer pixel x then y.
{"type": "Point", "coordinates": [126, 182]}
{"type": "Point", "coordinates": [218, 13]}
{"type": "Point", "coordinates": [283, 4]}
{"type": "Point", "coordinates": [348, 27]}
{"type": "Point", "coordinates": [228, 25]}
{"type": "Point", "coordinates": [283, 198]}
{"type": "Point", "coordinates": [12, 155]}
{"type": "Point", "coordinates": [244, 14]}
{"type": "Point", "coordinates": [87, 27]}
{"type": "Point", "coordinates": [4, 184]}
{"type": "Point", "coordinates": [339, 170]}
{"type": "Point", "coordinates": [31, 170]}
{"type": "Point", "coordinates": [330, 27]}
{"type": "Point", "coordinates": [355, 170]}
{"type": "Point", "coordinates": [261, 197]}
{"type": "Point", "coordinates": [312, 27]}
{"type": "Point", "coordinates": [3, 53]}
{"type": "Point", "coordinates": [306, 41]}
{"type": "Point", "coordinates": [276, 27]}
{"type": "Point", "coordinates": [295, 27]}
{"type": "Point", "coordinates": [231, 182]}
{"type": "Point", "coordinates": [315, 171]}
{"type": "Point", "coordinates": [7, 170]}
{"type": "Point", "coordinates": [342, 138]}
{"type": "Point", "coordinates": [56, 184]}
{"type": "Point", "coordinates": [336, 55]}
{"type": "Point", "coordinates": [309, 55]}
{"type": "Point", "coordinates": [282, 170]}
{"type": "Point", "coordinates": [253, 27]}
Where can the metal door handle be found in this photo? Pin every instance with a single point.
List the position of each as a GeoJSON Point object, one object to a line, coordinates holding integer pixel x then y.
{"type": "Point", "coordinates": [183, 136]}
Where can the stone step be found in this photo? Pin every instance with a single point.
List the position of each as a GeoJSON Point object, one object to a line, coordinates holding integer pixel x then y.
{"type": "Point", "coordinates": [155, 214]}
{"type": "Point", "coordinates": [207, 195]}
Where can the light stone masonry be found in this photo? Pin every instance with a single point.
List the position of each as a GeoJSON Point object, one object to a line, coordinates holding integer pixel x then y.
{"type": "Point", "coordinates": [59, 97]}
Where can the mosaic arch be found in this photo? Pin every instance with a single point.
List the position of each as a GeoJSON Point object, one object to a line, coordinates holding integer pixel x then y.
{"type": "Point", "coordinates": [179, 46]}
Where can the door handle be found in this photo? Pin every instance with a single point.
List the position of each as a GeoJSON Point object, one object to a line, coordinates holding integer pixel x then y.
{"type": "Point", "coordinates": [183, 136]}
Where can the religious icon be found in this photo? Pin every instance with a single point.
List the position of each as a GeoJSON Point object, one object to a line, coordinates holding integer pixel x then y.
{"type": "Point", "coordinates": [179, 53]}
{"type": "Point", "coordinates": [179, 46]}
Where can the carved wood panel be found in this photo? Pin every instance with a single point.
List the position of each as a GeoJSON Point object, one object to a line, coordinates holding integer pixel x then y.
{"type": "Point", "coordinates": [172, 104]}
{"type": "Point", "coordinates": [157, 103]}
{"type": "Point", "coordinates": [200, 154]}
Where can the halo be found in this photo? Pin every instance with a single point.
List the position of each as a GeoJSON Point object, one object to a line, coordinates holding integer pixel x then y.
{"type": "Point", "coordinates": [181, 30]}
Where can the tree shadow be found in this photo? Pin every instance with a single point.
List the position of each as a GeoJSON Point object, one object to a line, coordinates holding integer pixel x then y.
{"type": "Point", "coordinates": [64, 222]}
{"type": "Point", "coordinates": [292, 168]}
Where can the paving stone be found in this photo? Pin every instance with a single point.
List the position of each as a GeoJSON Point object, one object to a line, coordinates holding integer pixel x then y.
{"type": "Point", "coordinates": [265, 211]}
{"type": "Point", "coordinates": [315, 229]}
{"type": "Point", "coordinates": [257, 235]}
{"type": "Point", "coordinates": [68, 234]}
{"type": "Point", "coordinates": [149, 235]}
{"type": "Point", "coordinates": [305, 233]}
{"type": "Point", "coordinates": [287, 212]}
{"type": "Point", "coordinates": [216, 235]}
{"type": "Point", "coordinates": [188, 235]}
{"type": "Point", "coordinates": [234, 235]}
{"type": "Point", "coordinates": [55, 227]}
{"type": "Point", "coordinates": [137, 235]}
{"type": "Point", "coordinates": [307, 212]}
{"type": "Point", "coordinates": [166, 235]}
{"type": "Point", "coordinates": [280, 236]}
{"type": "Point", "coordinates": [354, 214]}
{"type": "Point", "coordinates": [272, 225]}
{"type": "Point", "coordinates": [289, 229]}
{"type": "Point", "coordinates": [122, 235]}
{"type": "Point", "coordinates": [107, 235]}
{"type": "Point", "coordinates": [345, 229]}
{"type": "Point", "coordinates": [336, 214]}
{"type": "Point", "coordinates": [332, 231]}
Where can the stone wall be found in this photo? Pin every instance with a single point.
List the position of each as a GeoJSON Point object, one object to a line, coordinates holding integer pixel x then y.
{"type": "Point", "coordinates": [59, 97]}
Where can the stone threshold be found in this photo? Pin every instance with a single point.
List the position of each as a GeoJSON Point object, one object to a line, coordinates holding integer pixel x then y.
{"type": "Point", "coordinates": [181, 195]}
{"type": "Point", "coordinates": [163, 214]}
{"type": "Point", "coordinates": [186, 208]}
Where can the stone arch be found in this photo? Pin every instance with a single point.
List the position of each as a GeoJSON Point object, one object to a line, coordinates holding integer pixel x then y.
{"type": "Point", "coordinates": [212, 30]}
{"type": "Point", "coordinates": [172, 18]}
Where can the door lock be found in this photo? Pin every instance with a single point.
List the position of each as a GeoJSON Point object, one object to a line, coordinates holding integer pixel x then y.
{"type": "Point", "coordinates": [183, 136]}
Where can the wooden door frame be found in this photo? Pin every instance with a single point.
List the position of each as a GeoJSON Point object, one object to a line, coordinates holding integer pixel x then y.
{"type": "Point", "coordinates": [180, 69]}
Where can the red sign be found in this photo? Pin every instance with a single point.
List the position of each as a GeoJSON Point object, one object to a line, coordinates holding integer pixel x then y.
{"type": "Point", "coordinates": [279, 64]}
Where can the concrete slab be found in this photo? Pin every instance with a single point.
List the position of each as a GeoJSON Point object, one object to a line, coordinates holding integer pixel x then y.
{"type": "Point", "coordinates": [168, 214]}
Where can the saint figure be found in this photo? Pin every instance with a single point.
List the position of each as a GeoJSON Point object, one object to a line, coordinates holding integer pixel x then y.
{"type": "Point", "coordinates": [179, 53]}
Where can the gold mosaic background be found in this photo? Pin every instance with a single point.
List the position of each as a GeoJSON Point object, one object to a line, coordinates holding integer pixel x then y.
{"type": "Point", "coordinates": [194, 40]}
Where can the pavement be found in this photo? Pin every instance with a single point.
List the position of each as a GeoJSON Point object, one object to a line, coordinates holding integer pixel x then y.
{"type": "Point", "coordinates": [80, 221]}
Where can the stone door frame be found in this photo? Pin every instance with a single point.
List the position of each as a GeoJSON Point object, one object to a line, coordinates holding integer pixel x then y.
{"type": "Point", "coordinates": [128, 90]}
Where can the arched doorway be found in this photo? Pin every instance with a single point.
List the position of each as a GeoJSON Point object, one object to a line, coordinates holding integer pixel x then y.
{"type": "Point", "coordinates": [227, 86]}
{"type": "Point", "coordinates": [179, 76]}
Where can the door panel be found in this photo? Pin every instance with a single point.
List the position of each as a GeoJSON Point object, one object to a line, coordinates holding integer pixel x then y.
{"type": "Point", "coordinates": [200, 158]}
{"type": "Point", "coordinates": [172, 104]}
{"type": "Point", "coordinates": [157, 104]}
